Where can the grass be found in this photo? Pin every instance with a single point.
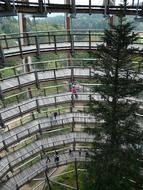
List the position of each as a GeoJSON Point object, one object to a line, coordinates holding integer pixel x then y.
{"type": "Point", "coordinates": [68, 179]}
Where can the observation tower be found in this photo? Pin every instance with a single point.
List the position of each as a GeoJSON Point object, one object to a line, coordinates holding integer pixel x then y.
{"type": "Point", "coordinates": [42, 120]}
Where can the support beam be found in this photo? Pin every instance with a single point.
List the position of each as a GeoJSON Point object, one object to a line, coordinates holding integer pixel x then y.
{"type": "Point", "coordinates": [64, 185]}
{"type": "Point", "coordinates": [37, 186]}
{"type": "Point", "coordinates": [40, 6]}
{"type": "Point", "coordinates": [9, 9]}
{"type": "Point", "coordinates": [47, 179]}
{"type": "Point", "coordinates": [8, 6]}
{"type": "Point", "coordinates": [76, 175]}
{"type": "Point", "coordinates": [68, 28]}
{"type": "Point", "coordinates": [24, 41]}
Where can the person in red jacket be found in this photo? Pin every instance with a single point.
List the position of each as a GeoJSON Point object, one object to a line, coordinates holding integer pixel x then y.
{"type": "Point", "coordinates": [74, 91]}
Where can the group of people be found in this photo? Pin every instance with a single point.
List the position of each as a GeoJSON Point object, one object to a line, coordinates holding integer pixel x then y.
{"type": "Point", "coordinates": [56, 158]}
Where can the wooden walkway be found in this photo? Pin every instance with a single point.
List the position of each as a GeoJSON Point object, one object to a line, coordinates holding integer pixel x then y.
{"type": "Point", "coordinates": [19, 109]}
{"type": "Point", "coordinates": [36, 77]}
{"type": "Point", "coordinates": [16, 134]}
{"type": "Point", "coordinates": [23, 177]}
{"type": "Point", "coordinates": [57, 45]}
{"type": "Point", "coordinates": [30, 105]}
{"type": "Point", "coordinates": [41, 8]}
{"type": "Point", "coordinates": [8, 162]}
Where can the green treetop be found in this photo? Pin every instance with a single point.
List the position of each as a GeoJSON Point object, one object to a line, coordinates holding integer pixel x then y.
{"type": "Point", "coordinates": [116, 162]}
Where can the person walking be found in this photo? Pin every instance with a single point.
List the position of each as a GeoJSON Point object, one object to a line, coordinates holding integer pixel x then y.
{"type": "Point", "coordinates": [74, 91]}
{"type": "Point", "coordinates": [55, 115]}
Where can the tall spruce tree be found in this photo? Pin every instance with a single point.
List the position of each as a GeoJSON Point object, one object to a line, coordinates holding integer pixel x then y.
{"type": "Point", "coordinates": [116, 162]}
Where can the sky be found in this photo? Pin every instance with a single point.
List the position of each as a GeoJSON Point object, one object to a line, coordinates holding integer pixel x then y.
{"type": "Point", "coordinates": [94, 2]}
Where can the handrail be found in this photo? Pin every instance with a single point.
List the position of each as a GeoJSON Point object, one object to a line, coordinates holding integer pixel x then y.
{"type": "Point", "coordinates": [54, 31]}
{"type": "Point", "coordinates": [57, 32]}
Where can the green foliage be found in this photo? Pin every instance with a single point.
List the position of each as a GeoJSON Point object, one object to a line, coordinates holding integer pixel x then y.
{"type": "Point", "coordinates": [9, 25]}
{"type": "Point", "coordinates": [69, 178]}
{"type": "Point", "coordinates": [117, 147]}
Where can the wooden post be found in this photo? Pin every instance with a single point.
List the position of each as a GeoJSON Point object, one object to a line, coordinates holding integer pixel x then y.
{"type": "Point", "coordinates": [89, 39]}
{"type": "Point", "coordinates": [38, 108]}
{"type": "Point", "coordinates": [17, 76]}
{"type": "Point", "coordinates": [72, 74]}
{"type": "Point", "coordinates": [73, 8]}
{"type": "Point", "coordinates": [2, 57]}
{"type": "Point", "coordinates": [72, 43]}
{"type": "Point", "coordinates": [36, 79]}
{"type": "Point", "coordinates": [73, 124]}
{"type": "Point", "coordinates": [68, 30]}
{"type": "Point", "coordinates": [40, 6]}
{"type": "Point", "coordinates": [25, 41]}
{"type": "Point", "coordinates": [37, 45]}
{"type": "Point", "coordinates": [49, 41]}
{"type": "Point", "coordinates": [76, 175]}
{"type": "Point", "coordinates": [90, 7]}
{"type": "Point", "coordinates": [55, 45]}
{"type": "Point", "coordinates": [20, 47]}
{"type": "Point", "coordinates": [5, 147]}
{"type": "Point", "coordinates": [74, 144]}
{"type": "Point", "coordinates": [47, 178]}
{"type": "Point", "coordinates": [6, 43]}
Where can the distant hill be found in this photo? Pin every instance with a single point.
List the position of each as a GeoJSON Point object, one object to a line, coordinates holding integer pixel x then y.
{"type": "Point", "coordinates": [82, 21]}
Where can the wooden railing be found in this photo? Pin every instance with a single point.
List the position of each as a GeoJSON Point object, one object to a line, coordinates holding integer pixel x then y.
{"type": "Point", "coordinates": [30, 105]}
{"type": "Point", "coordinates": [36, 77]}
{"type": "Point", "coordinates": [12, 160]}
{"type": "Point", "coordinates": [48, 37]}
{"type": "Point", "coordinates": [12, 45]}
{"type": "Point", "coordinates": [15, 135]}
{"type": "Point", "coordinates": [41, 8]}
{"type": "Point", "coordinates": [47, 65]}
{"type": "Point", "coordinates": [36, 168]}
